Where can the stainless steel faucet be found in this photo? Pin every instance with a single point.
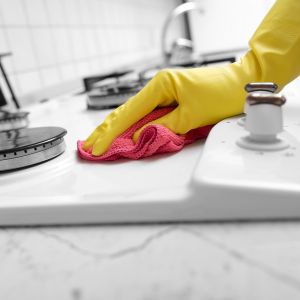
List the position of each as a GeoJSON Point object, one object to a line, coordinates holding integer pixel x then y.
{"type": "Point", "coordinates": [181, 47]}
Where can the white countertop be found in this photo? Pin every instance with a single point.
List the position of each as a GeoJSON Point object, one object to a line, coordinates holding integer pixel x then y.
{"type": "Point", "coordinates": [167, 261]}
{"type": "Point", "coordinates": [200, 261]}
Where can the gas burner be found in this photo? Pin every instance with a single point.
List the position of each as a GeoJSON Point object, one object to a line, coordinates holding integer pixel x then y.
{"type": "Point", "coordinates": [13, 120]}
{"type": "Point", "coordinates": [111, 91]}
{"type": "Point", "coordinates": [30, 146]}
{"type": "Point", "coordinates": [113, 94]}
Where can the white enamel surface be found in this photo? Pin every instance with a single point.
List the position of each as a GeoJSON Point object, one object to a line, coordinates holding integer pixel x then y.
{"type": "Point", "coordinates": [251, 183]}
{"type": "Point", "coordinates": [228, 183]}
{"type": "Point", "coordinates": [59, 190]}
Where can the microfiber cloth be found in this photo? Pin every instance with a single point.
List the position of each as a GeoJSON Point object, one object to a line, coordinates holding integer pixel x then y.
{"type": "Point", "coordinates": [153, 139]}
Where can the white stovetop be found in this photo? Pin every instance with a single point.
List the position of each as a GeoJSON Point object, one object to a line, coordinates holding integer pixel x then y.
{"type": "Point", "coordinates": [70, 181]}
{"type": "Point", "coordinates": [68, 175]}
{"type": "Point", "coordinates": [176, 187]}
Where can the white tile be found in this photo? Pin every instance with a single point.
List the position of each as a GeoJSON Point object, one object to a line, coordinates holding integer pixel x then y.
{"type": "Point", "coordinates": [68, 71]}
{"type": "Point", "coordinates": [101, 41]}
{"type": "Point", "coordinates": [123, 16]}
{"type": "Point", "coordinates": [1, 15]}
{"type": "Point", "coordinates": [3, 41]}
{"type": "Point", "coordinates": [96, 65]}
{"type": "Point", "coordinates": [85, 12]}
{"type": "Point", "coordinates": [13, 12]}
{"type": "Point", "coordinates": [36, 12]}
{"type": "Point", "coordinates": [133, 39]}
{"type": "Point", "coordinates": [118, 35]}
{"type": "Point", "coordinates": [102, 16]}
{"type": "Point", "coordinates": [23, 54]}
{"type": "Point", "coordinates": [122, 39]}
{"type": "Point", "coordinates": [44, 46]}
{"type": "Point", "coordinates": [78, 43]}
{"type": "Point", "coordinates": [129, 17]}
{"type": "Point", "coordinates": [91, 43]}
{"type": "Point", "coordinates": [56, 12]}
{"type": "Point", "coordinates": [109, 40]}
{"type": "Point", "coordinates": [63, 48]}
{"type": "Point", "coordinates": [50, 76]}
{"type": "Point", "coordinates": [29, 82]}
{"type": "Point", "coordinates": [72, 10]}
{"type": "Point", "coordinates": [97, 12]}
{"type": "Point", "coordinates": [83, 68]}
{"type": "Point", "coordinates": [105, 63]}
{"type": "Point", "coordinates": [111, 62]}
{"type": "Point", "coordinates": [114, 12]}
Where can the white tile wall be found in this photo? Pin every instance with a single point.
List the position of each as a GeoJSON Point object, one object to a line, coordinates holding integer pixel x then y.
{"type": "Point", "coordinates": [12, 12]}
{"type": "Point", "coordinates": [68, 71]}
{"type": "Point", "coordinates": [72, 12]}
{"type": "Point", "coordinates": [36, 12]}
{"type": "Point", "coordinates": [20, 43]}
{"type": "Point", "coordinates": [28, 80]}
{"type": "Point", "coordinates": [56, 12]}
{"type": "Point", "coordinates": [57, 41]}
{"type": "Point", "coordinates": [44, 47]}
{"type": "Point", "coordinates": [62, 44]}
{"type": "Point", "coordinates": [221, 27]}
{"type": "Point", "coordinates": [50, 76]}
{"type": "Point", "coordinates": [3, 43]}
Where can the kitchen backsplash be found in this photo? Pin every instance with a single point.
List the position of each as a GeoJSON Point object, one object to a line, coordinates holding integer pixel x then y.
{"type": "Point", "coordinates": [61, 41]}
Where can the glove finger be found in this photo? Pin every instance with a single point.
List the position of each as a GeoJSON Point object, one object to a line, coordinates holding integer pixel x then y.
{"type": "Point", "coordinates": [115, 124]}
{"type": "Point", "coordinates": [170, 121]}
{"type": "Point", "coordinates": [89, 142]}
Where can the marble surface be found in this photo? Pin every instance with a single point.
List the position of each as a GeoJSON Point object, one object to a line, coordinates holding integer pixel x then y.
{"type": "Point", "coordinates": [225, 261]}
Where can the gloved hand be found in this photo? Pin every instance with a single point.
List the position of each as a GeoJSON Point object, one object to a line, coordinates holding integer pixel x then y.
{"type": "Point", "coordinates": [207, 95]}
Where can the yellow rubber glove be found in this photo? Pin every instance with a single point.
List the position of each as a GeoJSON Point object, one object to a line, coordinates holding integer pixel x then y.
{"type": "Point", "coordinates": [207, 95]}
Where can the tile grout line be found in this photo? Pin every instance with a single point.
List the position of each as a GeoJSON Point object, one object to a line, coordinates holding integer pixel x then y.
{"type": "Point", "coordinates": [56, 62]}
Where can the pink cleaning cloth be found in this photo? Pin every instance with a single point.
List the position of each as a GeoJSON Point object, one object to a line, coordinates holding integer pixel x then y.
{"type": "Point", "coordinates": [153, 139]}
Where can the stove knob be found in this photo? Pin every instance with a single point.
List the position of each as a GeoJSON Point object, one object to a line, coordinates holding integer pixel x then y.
{"type": "Point", "coordinates": [263, 87]}
{"type": "Point", "coordinates": [263, 122]}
